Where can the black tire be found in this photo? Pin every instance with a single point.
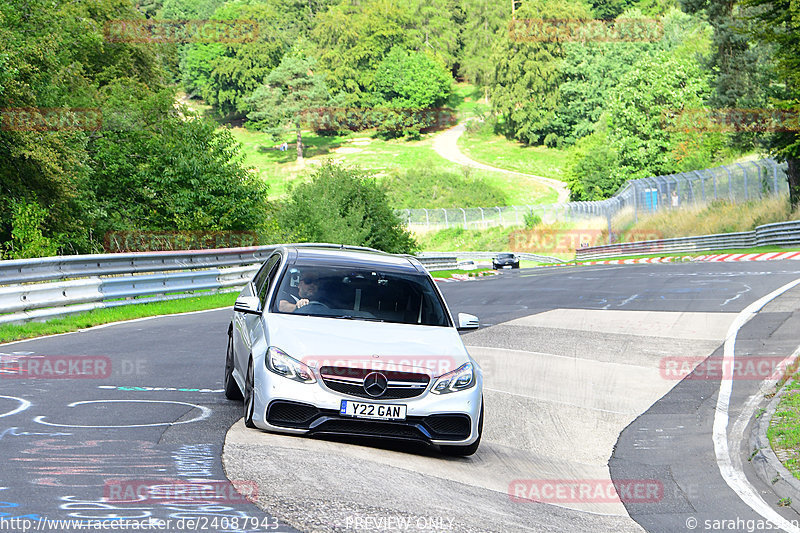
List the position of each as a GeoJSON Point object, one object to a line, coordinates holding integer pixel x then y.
{"type": "Point", "coordinates": [470, 449]}
{"type": "Point", "coordinates": [232, 390]}
{"type": "Point", "coordinates": [515, 266]}
{"type": "Point", "coordinates": [249, 397]}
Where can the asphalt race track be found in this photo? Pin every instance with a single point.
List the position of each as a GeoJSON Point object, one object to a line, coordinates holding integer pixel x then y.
{"type": "Point", "coordinates": [579, 392]}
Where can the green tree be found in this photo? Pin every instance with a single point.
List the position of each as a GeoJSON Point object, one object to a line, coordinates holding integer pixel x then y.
{"type": "Point", "coordinates": [55, 55]}
{"type": "Point", "coordinates": [352, 37]}
{"type": "Point", "coordinates": [224, 73]}
{"type": "Point", "coordinates": [777, 23]}
{"type": "Point", "coordinates": [484, 21]}
{"type": "Point", "coordinates": [290, 92]}
{"type": "Point", "coordinates": [643, 140]}
{"type": "Point", "coordinates": [589, 169]}
{"type": "Point", "coordinates": [161, 168]}
{"type": "Point", "coordinates": [528, 72]}
{"type": "Point", "coordinates": [344, 206]}
{"type": "Point", "coordinates": [411, 80]}
{"type": "Point", "coordinates": [436, 29]}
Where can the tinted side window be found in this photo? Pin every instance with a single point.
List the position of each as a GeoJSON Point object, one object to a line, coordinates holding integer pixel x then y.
{"type": "Point", "coordinates": [260, 281]}
{"type": "Point", "coordinates": [262, 293]}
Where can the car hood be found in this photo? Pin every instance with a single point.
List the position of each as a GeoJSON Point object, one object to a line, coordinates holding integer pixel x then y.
{"type": "Point", "coordinates": [319, 342]}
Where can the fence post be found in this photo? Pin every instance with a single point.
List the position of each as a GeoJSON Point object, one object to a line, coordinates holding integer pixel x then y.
{"type": "Point", "coordinates": [500, 213]}
{"type": "Point", "coordinates": [483, 220]}
{"type": "Point", "coordinates": [446, 224]}
{"type": "Point", "coordinates": [744, 170]}
{"type": "Point", "coordinates": [760, 182]}
{"type": "Point", "coordinates": [702, 184]}
{"type": "Point", "coordinates": [516, 216]}
{"type": "Point", "coordinates": [730, 179]}
{"type": "Point", "coordinates": [774, 175]}
{"type": "Point", "coordinates": [465, 217]}
{"type": "Point", "coordinates": [714, 177]}
{"type": "Point", "coordinates": [427, 219]}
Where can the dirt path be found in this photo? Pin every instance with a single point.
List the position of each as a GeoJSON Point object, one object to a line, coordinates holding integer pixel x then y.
{"type": "Point", "coordinates": [446, 145]}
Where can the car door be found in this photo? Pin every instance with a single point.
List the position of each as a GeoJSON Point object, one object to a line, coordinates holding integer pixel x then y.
{"type": "Point", "coordinates": [246, 325]}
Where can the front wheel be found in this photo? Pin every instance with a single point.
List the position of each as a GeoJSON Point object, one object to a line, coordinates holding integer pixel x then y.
{"type": "Point", "coordinates": [470, 449]}
{"type": "Point", "coordinates": [249, 397]}
{"type": "Point", "coordinates": [232, 391]}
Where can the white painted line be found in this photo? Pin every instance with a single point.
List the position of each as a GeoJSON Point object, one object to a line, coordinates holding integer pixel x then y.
{"type": "Point", "coordinates": [732, 475]}
{"type": "Point", "coordinates": [23, 404]}
{"type": "Point", "coordinates": [205, 412]}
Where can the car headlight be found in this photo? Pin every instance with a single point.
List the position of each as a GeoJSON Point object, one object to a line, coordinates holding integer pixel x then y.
{"type": "Point", "coordinates": [277, 361]}
{"type": "Point", "coordinates": [459, 379]}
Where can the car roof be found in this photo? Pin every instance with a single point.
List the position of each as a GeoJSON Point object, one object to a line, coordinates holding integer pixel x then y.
{"type": "Point", "coordinates": [351, 256]}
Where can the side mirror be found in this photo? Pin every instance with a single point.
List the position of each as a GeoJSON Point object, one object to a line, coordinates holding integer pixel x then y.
{"type": "Point", "coordinates": [248, 304]}
{"type": "Point", "coordinates": [467, 322]}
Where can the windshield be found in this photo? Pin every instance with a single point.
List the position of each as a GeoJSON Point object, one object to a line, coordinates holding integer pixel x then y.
{"type": "Point", "coordinates": [360, 294]}
{"type": "Point", "coordinates": [505, 256]}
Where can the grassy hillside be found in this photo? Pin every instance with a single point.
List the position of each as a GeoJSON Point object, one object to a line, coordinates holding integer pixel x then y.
{"type": "Point", "coordinates": [416, 174]}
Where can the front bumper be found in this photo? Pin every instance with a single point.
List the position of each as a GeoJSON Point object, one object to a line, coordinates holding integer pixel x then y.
{"type": "Point", "coordinates": [286, 406]}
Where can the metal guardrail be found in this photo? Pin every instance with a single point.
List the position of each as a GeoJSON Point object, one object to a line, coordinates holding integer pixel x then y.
{"type": "Point", "coordinates": [78, 266]}
{"type": "Point", "coordinates": [491, 255]}
{"type": "Point", "coordinates": [777, 234]}
{"type": "Point", "coordinates": [433, 262]}
{"type": "Point", "coordinates": [28, 290]}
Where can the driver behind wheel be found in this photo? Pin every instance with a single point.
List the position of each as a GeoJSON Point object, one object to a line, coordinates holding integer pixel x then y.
{"type": "Point", "coordinates": [308, 291]}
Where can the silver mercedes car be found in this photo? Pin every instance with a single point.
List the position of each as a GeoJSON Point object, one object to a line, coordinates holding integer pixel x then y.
{"type": "Point", "coordinates": [351, 341]}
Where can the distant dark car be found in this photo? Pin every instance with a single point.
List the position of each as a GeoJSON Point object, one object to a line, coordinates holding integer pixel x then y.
{"type": "Point", "coordinates": [505, 260]}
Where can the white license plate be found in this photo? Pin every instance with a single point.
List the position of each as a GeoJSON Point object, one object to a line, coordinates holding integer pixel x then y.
{"type": "Point", "coordinates": [372, 410]}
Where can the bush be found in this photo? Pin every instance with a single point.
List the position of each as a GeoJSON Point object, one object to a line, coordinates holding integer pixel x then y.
{"type": "Point", "coordinates": [532, 220]}
{"type": "Point", "coordinates": [27, 239]}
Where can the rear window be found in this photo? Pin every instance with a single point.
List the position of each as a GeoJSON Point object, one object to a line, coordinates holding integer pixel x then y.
{"type": "Point", "coordinates": [360, 294]}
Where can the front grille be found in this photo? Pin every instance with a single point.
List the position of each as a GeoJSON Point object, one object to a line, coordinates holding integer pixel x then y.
{"type": "Point", "coordinates": [350, 381]}
{"type": "Point", "coordinates": [291, 414]}
{"type": "Point", "coordinates": [453, 427]}
{"type": "Point", "coordinates": [369, 428]}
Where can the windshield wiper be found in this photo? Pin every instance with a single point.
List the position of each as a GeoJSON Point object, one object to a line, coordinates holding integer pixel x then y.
{"type": "Point", "coordinates": [350, 317]}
